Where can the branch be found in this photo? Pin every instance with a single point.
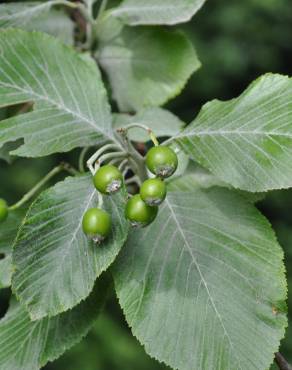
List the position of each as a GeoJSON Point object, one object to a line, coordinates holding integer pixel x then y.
{"type": "Point", "coordinates": [281, 362]}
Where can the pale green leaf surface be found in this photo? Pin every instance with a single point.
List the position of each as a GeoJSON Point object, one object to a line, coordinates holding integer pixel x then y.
{"type": "Point", "coordinates": [56, 23]}
{"type": "Point", "coordinates": [152, 12]}
{"type": "Point", "coordinates": [22, 13]}
{"type": "Point", "coordinates": [29, 345]}
{"type": "Point", "coordinates": [198, 178]}
{"type": "Point", "coordinates": [162, 122]}
{"type": "Point", "coordinates": [38, 16]}
{"type": "Point", "coordinates": [246, 141]}
{"type": "Point", "coordinates": [204, 287]}
{"type": "Point", "coordinates": [8, 232]}
{"type": "Point", "coordinates": [55, 263]}
{"type": "Point", "coordinates": [147, 66]}
{"type": "Point", "coordinates": [70, 102]}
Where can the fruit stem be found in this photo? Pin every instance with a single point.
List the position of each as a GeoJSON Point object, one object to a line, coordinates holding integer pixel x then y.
{"type": "Point", "coordinates": [83, 153]}
{"type": "Point", "coordinates": [56, 170]}
{"type": "Point", "coordinates": [107, 156]}
{"type": "Point", "coordinates": [124, 130]}
{"type": "Point", "coordinates": [134, 179]}
{"type": "Point", "coordinates": [98, 153]}
{"type": "Point", "coordinates": [123, 163]}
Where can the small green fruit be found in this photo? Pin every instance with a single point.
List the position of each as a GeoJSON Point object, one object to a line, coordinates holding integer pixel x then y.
{"type": "Point", "coordinates": [96, 224]}
{"type": "Point", "coordinates": [3, 210]}
{"type": "Point", "coordinates": [162, 161]}
{"type": "Point", "coordinates": [139, 213]}
{"type": "Point", "coordinates": [108, 179]}
{"type": "Point", "coordinates": [153, 191]}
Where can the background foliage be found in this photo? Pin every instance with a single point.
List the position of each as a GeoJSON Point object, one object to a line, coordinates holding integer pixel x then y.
{"type": "Point", "coordinates": [236, 42]}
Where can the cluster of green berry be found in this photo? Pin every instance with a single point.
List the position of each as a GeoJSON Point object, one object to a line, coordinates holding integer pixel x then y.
{"type": "Point", "coordinates": [141, 209]}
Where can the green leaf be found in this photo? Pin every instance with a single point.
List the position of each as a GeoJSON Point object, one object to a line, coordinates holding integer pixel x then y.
{"type": "Point", "coordinates": [7, 148]}
{"type": "Point", "coordinates": [152, 12]}
{"type": "Point", "coordinates": [204, 287]}
{"type": "Point", "coordinates": [22, 13]}
{"type": "Point", "coordinates": [147, 66]}
{"type": "Point", "coordinates": [246, 141]}
{"type": "Point", "coordinates": [56, 265]}
{"type": "Point", "coordinates": [38, 16]}
{"type": "Point", "coordinates": [70, 103]}
{"type": "Point", "coordinates": [198, 178]}
{"type": "Point", "coordinates": [161, 121]}
{"type": "Point", "coordinates": [8, 232]}
{"type": "Point", "coordinates": [29, 345]}
{"type": "Point", "coordinates": [55, 23]}
{"type": "Point", "coordinates": [194, 180]}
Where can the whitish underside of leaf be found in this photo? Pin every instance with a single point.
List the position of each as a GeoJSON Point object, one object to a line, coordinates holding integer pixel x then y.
{"type": "Point", "coordinates": [8, 232]}
{"type": "Point", "coordinates": [147, 66]}
{"type": "Point", "coordinates": [246, 141]}
{"type": "Point", "coordinates": [29, 345]}
{"type": "Point", "coordinates": [152, 12]}
{"type": "Point", "coordinates": [197, 177]}
{"type": "Point", "coordinates": [38, 16]}
{"type": "Point", "coordinates": [70, 102]}
{"type": "Point", "coordinates": [204, 287]}
{"type": "Point", "coordinates": [22, 13]}
{"type": "Point", "coordinates": [55, 263]}
{"type": "Point", "coordinates": [161, 121]}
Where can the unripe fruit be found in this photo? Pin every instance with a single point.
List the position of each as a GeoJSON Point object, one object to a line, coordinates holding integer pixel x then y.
{"type": "Point", "coordinates": [3, 210]}
{"type": "Point", "coordinates": [139, 213]}
{"type": "Point", "coordinates": [96, 224]}
{"type": "Point", "coordinates": [108, 179]}
{"type": "Point", "coordinates": [162, 161]}
{"type": "Point", "coordinates": [153, 191]}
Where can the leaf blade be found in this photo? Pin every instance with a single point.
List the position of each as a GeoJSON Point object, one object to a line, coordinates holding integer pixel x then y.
{"type": "Point", "coordinates": [246, 141]}
{"type": "Point", "coordinates": [29, 345]}
{"type": "Point", "coordinates": [38, 16]}
{"type": "Point", "coordinates": [170, 12]}
{"type": "Point", "coordinates": [55, 264]}
{"type": "Point", "coordinates": [200, 280]}
{"type": "Point", "coordinates": [141, 70]}
{"type": "Point", "coordinates": [53, 77]}
{"type": "Point", "coordinates": [161, 121]}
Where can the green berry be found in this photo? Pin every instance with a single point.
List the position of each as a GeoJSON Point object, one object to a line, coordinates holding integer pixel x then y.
{"type": "Point", "coordinates": [96, 224]}
{"type": "Point", "coordinates": [3, 210]}
{"type": "Point", "coordinates": [153, 191]}
{"type": "Point", "coordinates": [108, 179]}
{"type": "Point", "coordinates": [139, 213]}
{"type": "Point", "coordinates": [162, 161]}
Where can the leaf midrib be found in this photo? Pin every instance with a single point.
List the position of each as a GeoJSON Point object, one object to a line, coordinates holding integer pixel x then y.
{"type": "Point", "coordinates": [186, 243]}
{"type": "Point", "coordinates": [59, 106]}
{"type": "Point", "coordinates": [70, 242]}
{"type": "Point", "coordinates": [232, 132]}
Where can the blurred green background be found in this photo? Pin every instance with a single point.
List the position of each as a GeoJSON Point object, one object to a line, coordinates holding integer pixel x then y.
{"type": "Point", "coordinates": [236, 41]}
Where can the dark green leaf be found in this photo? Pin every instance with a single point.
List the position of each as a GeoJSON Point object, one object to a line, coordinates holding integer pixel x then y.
{"type": "Point", "coordinates": [147, 66]}
{"type": "Point", "coordinates": [29, 345]}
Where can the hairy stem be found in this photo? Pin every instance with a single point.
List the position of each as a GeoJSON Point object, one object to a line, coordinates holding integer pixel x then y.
{"type": "Point", "coordinates": [282, 362]}
{"type": "Point", "coordinates": [44, 180]}
{"type": "Point", "coordinates": [81, 159]}
{"type": "Point", "coordinates": [124, 130]}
